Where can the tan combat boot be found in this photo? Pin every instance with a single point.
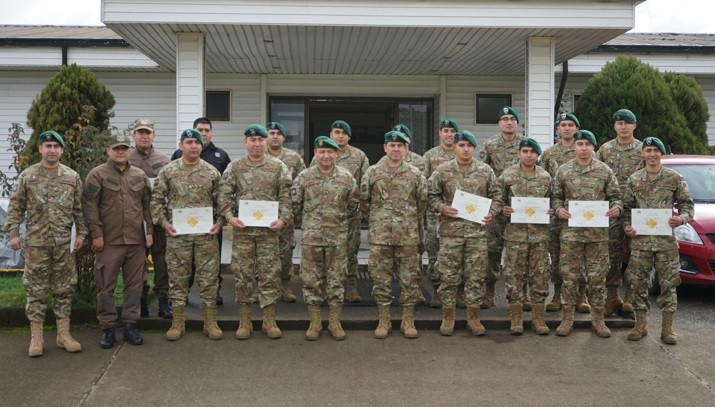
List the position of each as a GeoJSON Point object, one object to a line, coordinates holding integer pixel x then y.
{"type": "Point", "coordinates": [286, 291]}
{"type": "Point", "coordinates": [245, 325]}
{"type": "Point", "coordinates": [407, 326]}
{"type": "Point", "coordinates": [473, 324]}
{"type": "Point", "coordinates": [555, 303]}
{"type": "Point", "coordinates": [641, 328]}
{"type": "Point", "coordinates": [537, 320]}
{"type": "Point", "coordinates": [517, 319]}
{"type": "Point", "coordinates": [269, 326]}
{"type": "Point", "coordinates": [64, 339]}
{"type": "Point", "coordinates": [352, 293]}
{"type": "Point", "coordinates": [384, 326]}
{"type": "Point", "coordinates": [177, 323]}
{"type": "Point", "coordinates": [582, 305]}
{"type": "Point", "coordinates": [316, 324]}
{"type": "Point", "coordinates": [598, 324]}
{"type": "Point", "coordinates": [436, 301]}
{"type": "Point", "coordinates": [37, 339]}
{"type": "Point", "coordinates": [488, 300]}
{"type": "Point", "coordinates": [336, 330]}
{"type": "Point", "coordinates": [566, 325]}
{"type": "Point", "coordinates": [614, 304]}
{"type": "Point", "coordinates": [628, 301]}
{"type": "Point", "coordinates": [461, 302]}
{"type": "Point", "coordinates": [210, 326]}
{"type": "Point", "coordinates": [447, 327]}
{"type": "Point", "coordinates": [667, 334]}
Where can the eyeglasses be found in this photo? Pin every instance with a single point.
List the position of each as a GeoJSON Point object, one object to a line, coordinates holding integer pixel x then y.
{"type": "Point", "coordinates": [508, 119]}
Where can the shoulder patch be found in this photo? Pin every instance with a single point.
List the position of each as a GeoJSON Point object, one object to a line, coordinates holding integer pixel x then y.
{"type": "Point", "coordinates": [91, 191]}
{"type": "Point", "coordinates": [155, 166]}
{"type": "Point", "coordinates": [136, 180]}
{"type": "Point", "coordinates": [363, 188]}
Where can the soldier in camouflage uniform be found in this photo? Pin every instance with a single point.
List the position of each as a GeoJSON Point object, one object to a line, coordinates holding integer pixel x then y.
{"type": "Point", "coordinates": [393, 196]}
{"type": "Point", "coordinates": [259, 177]}
{"type": "Point", "coordinates": [584, 179]}
{"type": "Point", "coordinates": [623, 156]}
{"type": "Point", "coordinates": [499, 151]}
{"type": "Point", "coordinates": [48, 196]}
{"type": "Point", "coordinates": [326, 199]}
{"type": "Point", "coordinates": [435, 157]}
{"type": "Point", "coordinates": [463, 244]}
{"type": "Point", "coordinates": [655, 187]}
{"type": "Point", "coordinates": [189, 182]}
{"type": "Point", "coordinates": [276, 136]}
{"type": "Point", "coordinates": [527, 245]}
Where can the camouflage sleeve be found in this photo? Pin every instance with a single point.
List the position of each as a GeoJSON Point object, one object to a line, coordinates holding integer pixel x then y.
{"type": "Point", "coordinates": [219, 220]}
{"type": "Point", "coordinates": [227, 189]}
{"type": "Point", "coordinates": [495, 194]}
{"type": "Point", "coordinates": [486, 157]}
{"type": "Point", "coordinates": [597, 154]}
{"type": "Point", "coordinates": [285, 207]}
{"type": "Point", "coordinates": [434, 193]}
{"type": "Point", "coordinates": [90, 204]}
{"type": "Point", "coordinates": [629, 202]}
{"type": "Point", "coordinates": [684, 201]}
{"type": "Point", "coordinates": [312, 162]}
{"type": "Point", "coordinates": [422, 196]}
{"type": "Point", "coordinates": [353, 203]}
{"type": "Point", "coordinates": [159, 204]}
{"type": "Point", "coordinates": [365, 191]}
{"type": "Point", "coordinates": [557, 192]}
{"type": "Point", "coordinates": [299, 166]}
{"type": "Point", "coordinates": [504, 198]}
{"type": "Point", "coordinates": [146, 206]}
{"type": "Point", "coordinates": [16, 209]}
{"type": "Point", "coordinates": [364, 165]}
{"type": "Point", "coordinates": [296, 195]}
{"type": "Point", "coordinates": [613, 192]}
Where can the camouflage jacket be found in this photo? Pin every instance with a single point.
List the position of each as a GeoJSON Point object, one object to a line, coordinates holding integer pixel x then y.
{"type": "Point", "coordinates": [667, 190]}
{"type": "Point", "coordinates": [515, 182]}
{"type": "Point", "coordinates": [354, 160]}
{"type": "Point", "coordinates": [436, 157]}
{"type": "Point", "coordinates": [556, 156]}
{"type": "Point", "coordinates": [184, 186]}
{"type": "Point", "coordinates": [478, 179]}
{"type": "Point", "coordinates": [51, 204]}
{"type": "Point", "coordinates": [326, 204]}
{"type": "Point", "coordinates": [292, 160]}
{"type": "Point", "coordinates": [418, 161]}
{"type": "Point", "coordinates": [393, 202]}
{"type": "Point", "coordinates": [594, 182]}
{"type": "Point", "coordinates": [266, 180]}
{"type": "Point", "coordinates": [624, 161]}
{"type": "Point", "coordinates": [500, 154]}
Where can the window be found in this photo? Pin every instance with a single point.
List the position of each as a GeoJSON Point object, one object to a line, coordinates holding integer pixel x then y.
{"type": "Point", "coordinates": [218, 105]}
{"type": "Point", "coordinates": [488, 106]}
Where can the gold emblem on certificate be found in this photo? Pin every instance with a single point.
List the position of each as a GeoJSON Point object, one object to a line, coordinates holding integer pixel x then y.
{"type": "Point", "coordinates": [257, 213]}
{"type": "Point", "coordinates": [471, 207]}
{"type": "Point", "coordinates": [530, 210]}
{"type": "Point", "coordinates": [651, 222]}
{"type": "Point", "coordinates": [193, 221]}
{"type": "Point", "coordinates": [588, 214]}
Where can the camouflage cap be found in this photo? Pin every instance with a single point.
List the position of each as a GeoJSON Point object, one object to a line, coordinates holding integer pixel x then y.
{"type": "Point", "coordinates": [340, 124]}
{"type": "Point", "coordinates": [509, 110]}
{"type": "Point", "coordinates": [325, 142]}
{"type": "Point", "coordinates": [567, 116]}
{"type": "Point", "coordinates": [447, 122]}
{"type": "Point", "coordinates": [403, 129]}
{"type": "Point", "coordinates": [586, 135]}
{"type": "Point", "coordinates": [277, 126]}
{"type": "Point", "coordinates": [625, 115]}
{"type": "Point", "coordinates": [192, 133]}
{"type": "Point", "coordinates": [653, 142]}
{"type": "Point", "coordinates": [118, 139]}
{"type": "Point", "coordinates": [530, 142]}
{"type": "Point", "coordinates": [464, 135]}
{"type": "Point", "coordinates": [51, 135]}
{"type": "Point", "coordinates": [144, 124]}
{"type": "Point", "coordinates": [255, 130]}
{"type": "Point", "coordinates": [396, 137]}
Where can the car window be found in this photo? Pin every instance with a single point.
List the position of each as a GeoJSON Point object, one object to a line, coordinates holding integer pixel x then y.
{"type": "Point", "coordinates": [700, 179]}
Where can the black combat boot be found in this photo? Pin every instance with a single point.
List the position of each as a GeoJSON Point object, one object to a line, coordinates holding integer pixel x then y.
{"type": "Point", "coordinates": [164, 308]}
{"type": "Point", "coordinates": [131, 335]}
{"type": "Point", "coordinates": [108, 338]}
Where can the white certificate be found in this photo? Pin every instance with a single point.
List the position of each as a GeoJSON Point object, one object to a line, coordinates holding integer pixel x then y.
{"type": "Point", "coordinates": [651, 222]}
{"type": "Point", "coordinates": [530, 210]}
{"type": "Point", "coordinates": [193, 221]}
{"type": "Point", "coordinates": [257, 213]}
{"type": "Point", "coordinates": [588, 214]}
{"type": "Point", "coordinates": [152, 183]}
{"type": "Point", "coordinates": [471, 207]}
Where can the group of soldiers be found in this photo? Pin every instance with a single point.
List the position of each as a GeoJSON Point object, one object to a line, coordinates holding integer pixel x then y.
{"type": "Point", "coordinates": [405, 198]}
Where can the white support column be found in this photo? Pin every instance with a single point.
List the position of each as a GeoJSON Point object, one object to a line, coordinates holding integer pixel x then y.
{"type": "Point", "coordinates": [264, 98]}
{"type": "Point", "coordinates": [442, 97]}
{"type": "Point", "coordinates": [190, 79]}
{"type": "Point", "coordinates": [540, 89]}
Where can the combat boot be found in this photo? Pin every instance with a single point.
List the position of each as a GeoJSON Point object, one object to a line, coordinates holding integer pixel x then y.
{"type": "Point", "coordinates": [641, 328]}
{"type": "Point", "coordinates": [64, 339]}
{"type": "Point", "coordinates": [597, 323]}
{"type": "Point", "coordinates": [517, 319]}
{"type": "Point", "coordinates": [245, 326]}
{"type": "Point", "coordinates": [566, 325]}
{"type": "Point", "coordinates": [614, 304]}
{"type": "Point", "coordinates": [130, 334]}
{"type": "Point", "coordinates": [211, 328]}
{"type": "Point", "coordinates": [164, 308]}
{"type": "Point", "coordinates": [407, 326]}
{"type": "Point", "coordinates": [537, 320]}
{"type": "Point", "coordinates": [37, 339]}
{"type": "Point", "coordinates": [582, 305]}
{"type": "Point", "coordinates": [177, 324]}
{"type": "Point", "coordinates": [436, 301]}
{"type": "Point", "coordinates": [667, 334]}
{"type": "Point", "coordinates": [627, 307]}
{"type": "Point", "coordinates": [447, 327]}
{"type": "Point", "coordinates": [384, 326]}
{"type": "Point", "coordinates": [488, 300]}
{"type": "Point", "coordinates": [352, 293]}
{"type": "Point", "coordinates": [336, 330]}
{"type": "Point", "coordinates": [473, 324]}
{"type": "Point", "coordinates": [555, 303]}
{"type": "Point", "coordinates": [287, 291]}
{"type": "Point", "coordinates": [269, 326]}
{"type": "Point", "coordinates": [461, 303]}
{"type": "Point", "coordinates": [316, 324]}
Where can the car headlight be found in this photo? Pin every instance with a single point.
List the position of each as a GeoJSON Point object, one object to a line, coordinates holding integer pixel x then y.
{"type": "Point", "coordinates": [686, 233]}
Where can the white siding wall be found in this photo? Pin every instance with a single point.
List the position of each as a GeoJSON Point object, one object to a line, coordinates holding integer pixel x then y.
{"type": "Point", "coordinates": [30, 56]}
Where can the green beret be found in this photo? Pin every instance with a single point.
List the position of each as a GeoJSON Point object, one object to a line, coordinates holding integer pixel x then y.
{"type": "Point", "coordinates": [530, 142]}
{"type": "Point", "coordinates": [256, 130]}
{"type": "Point", "coordinates": [340, 124]}
{"type": "Point", "coordinates": [446, 122]}
{"type": "Point", "coordinates": [325, 142]}
{"type": "Point", "coordinates": [586, 135]}
{"type": "Point", "coordinates": [509, 110]}
{"type": "Point", "coordinates": [403, 129]}
{"type": "Point", "coordinates": [395, 137]}
{"type": "Point", "coordinates": [653, 141]}
{"type": "Point", "coordinates": [568, 116]}
{"type": "Point", "coordinates": [625, 115]}
{"type": "Point", "coordinates": [118, 139]}
{"type": "Point", "coordinates": [277, 126]}
{"type": "Point", "coordinates": [51, 135]}
{"type": "Point", "coordinates": [192, 133]}
{"type": "Point", "coordinates": [464, 135]}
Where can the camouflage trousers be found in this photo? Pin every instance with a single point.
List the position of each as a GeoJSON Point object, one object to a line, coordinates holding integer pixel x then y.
{"type": "Point", "coordinates": [286, 241]}
{"type": "Point", "coordinates": [496, 247]}
{"type": "Point", "coordinates": [353, 247]}
{"type": "Point", "coordinates": [431, 243]}
{"type": "Point", "coordinates": [158, 256]}
{"type": "Point", "coordinates": [323, 270]}
{"type": "Point", "coordinates": [555, 249]}
{"type": "Point", "coordinates": [577, 257]}
{"type": "Point", "coordinates": [462, 260]}
{"type": "Point", "coordinates": [256, 257]}
{"type": "Point", "coordinates": [202, 252]}
{"type": "Point", "coordinates": [49, 269]}
{"type": "Point", "coordinates": [383, 260]}
{"type": "Point", "coordinates": [131, 259]}
{"type": "Point", "coordinates": [616, 239]}
{"type": "Point", "coordinates": [667, 268]}
{"type": "Point", "coordinates": [527, 263]}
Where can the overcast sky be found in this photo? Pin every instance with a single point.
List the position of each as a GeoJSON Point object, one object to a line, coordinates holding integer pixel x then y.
{"type": "Point", "coordinates": [675, 16]}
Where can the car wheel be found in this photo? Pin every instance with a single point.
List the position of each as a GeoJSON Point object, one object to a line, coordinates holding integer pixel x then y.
{"type": "Point", "coordinates": [653, 285]}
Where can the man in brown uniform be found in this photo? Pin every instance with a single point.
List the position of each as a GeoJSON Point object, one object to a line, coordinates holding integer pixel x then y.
{"type": "Point", "coordinates": [115, 194]}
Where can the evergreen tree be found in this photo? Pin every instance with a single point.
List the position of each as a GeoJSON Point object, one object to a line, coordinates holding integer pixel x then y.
{"type": "Point", "coordinates": [688, 97]}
